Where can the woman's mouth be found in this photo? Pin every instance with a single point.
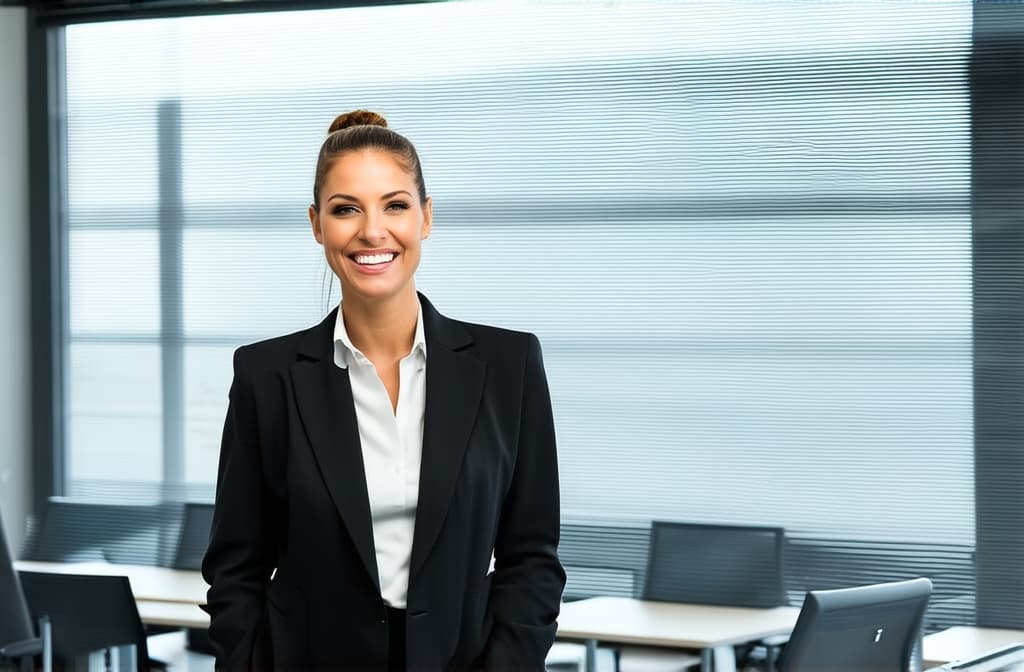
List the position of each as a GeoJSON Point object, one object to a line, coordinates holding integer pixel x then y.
{"type": "Point", "coordinates": [373, 262]}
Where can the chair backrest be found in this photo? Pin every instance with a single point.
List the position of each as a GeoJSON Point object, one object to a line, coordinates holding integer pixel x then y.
{"type": "Point", "coordinates": [15, 621]}
{"type": "Point", "coordinates": [874, 627]}
{"type": "Point", "coordinates": [195, 535]}
{"type": "Point", "coordinates": [87, 613]}
{"type": "Point", "coordinates": [77, 531]}
{"type": "Point", "coordinates": [730, 565]}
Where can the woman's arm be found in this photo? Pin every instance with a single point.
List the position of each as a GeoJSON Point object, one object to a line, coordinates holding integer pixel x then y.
{"type": "Point", "coordinates": [526, 588]}
{"type": "Point", "coordinates": [239, 559]}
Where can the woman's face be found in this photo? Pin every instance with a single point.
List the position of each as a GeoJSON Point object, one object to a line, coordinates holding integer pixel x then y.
{"type": "Point", "coordinates": [371, 224]}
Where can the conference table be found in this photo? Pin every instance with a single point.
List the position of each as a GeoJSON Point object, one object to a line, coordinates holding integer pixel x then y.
{"type": "Point", "coordinates": [172, 597]}
{"type": "Point", "coordinates": [163, 596]}
{"type": "Point", "coordinates": [711, 629]}
{"type": "Point", "coordinates": [963, 642]}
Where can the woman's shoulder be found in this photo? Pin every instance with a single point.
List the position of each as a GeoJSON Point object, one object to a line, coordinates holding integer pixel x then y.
{"type": "Point", "coordinates": [483, 338]}
{"type": "Point", "coordinates": [280, 352]}
{"type": "Point", "coordinates": [501, 344]}
{"type": "Point", "coordinates": [495, 334]}
{"type": "Point", "coordinates": [484, 334]}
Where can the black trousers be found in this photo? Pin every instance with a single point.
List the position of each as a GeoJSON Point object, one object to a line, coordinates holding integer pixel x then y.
{"type": "Point", "coordinates": [396, 640]}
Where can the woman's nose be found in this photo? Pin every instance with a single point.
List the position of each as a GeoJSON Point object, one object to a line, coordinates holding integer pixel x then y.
{"type": "Point", "coordinates": [373, 229]}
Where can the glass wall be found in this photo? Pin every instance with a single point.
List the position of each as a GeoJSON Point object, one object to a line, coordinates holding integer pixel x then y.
{"type": "Point", "coordinates": [741, 230]}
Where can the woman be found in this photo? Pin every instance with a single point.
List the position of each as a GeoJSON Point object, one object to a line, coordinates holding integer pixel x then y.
{"type": "Point", "coordinates": [372, 465]}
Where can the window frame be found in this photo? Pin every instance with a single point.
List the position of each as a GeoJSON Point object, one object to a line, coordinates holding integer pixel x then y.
{"type": "Point", "coordinates": [997, 303]}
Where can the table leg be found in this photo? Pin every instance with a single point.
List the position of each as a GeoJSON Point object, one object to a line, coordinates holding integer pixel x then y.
{"type": "Point", "coordinates": [590, 656]}
{"type": "Point", "coordinates": [718, 659]}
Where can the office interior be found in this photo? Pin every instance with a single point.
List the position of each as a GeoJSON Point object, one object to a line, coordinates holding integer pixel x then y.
{"type": "Point", "coordinates": [774, 252]}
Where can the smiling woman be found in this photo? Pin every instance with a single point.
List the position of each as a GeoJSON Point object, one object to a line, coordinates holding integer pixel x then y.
{"type": "Point", "coordinates": [406, 451]}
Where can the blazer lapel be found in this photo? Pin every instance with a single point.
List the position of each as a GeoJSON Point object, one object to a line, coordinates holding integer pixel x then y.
{"type": "Point", "coordinates": [455, 380]}
{"type": "Point", "coordinates": [323, 394]}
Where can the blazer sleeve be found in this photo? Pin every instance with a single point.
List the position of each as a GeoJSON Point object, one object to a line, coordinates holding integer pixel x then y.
{"type": "Point", "coordinates": [526, 588]}
{"type": "Point", "coordinates": [239, 559]}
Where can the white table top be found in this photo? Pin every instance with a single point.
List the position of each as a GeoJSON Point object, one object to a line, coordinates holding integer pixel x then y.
{"type": "Point", "coordinates": [960, 642]}
{"type": "Point", "coordinates": [177, 614]}
{"type": "Point", "coordinates": [148, 583]}
{"type": "Point", "coordinates": [630, 621]}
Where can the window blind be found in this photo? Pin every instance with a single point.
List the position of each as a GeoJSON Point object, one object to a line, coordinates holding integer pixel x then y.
{"type": "Point", "coordinates": [742, 231]}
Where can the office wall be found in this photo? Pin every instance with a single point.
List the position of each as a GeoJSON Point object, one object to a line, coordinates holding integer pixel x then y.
{"type": "Point", "coordinates": [15, 383]}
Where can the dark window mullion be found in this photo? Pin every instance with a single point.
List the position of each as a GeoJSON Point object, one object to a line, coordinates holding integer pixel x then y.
{"type": "Point", "coordinates": [997, 184]}
{"type": "Point", "coordinates": [49, 261]}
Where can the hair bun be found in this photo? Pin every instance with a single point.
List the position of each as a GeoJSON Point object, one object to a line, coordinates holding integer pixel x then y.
{"type": "Point", "coordinates": [357, 118]}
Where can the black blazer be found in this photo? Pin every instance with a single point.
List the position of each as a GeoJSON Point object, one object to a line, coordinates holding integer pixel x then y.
{"type": "Point", "coordinates": [291, 496]}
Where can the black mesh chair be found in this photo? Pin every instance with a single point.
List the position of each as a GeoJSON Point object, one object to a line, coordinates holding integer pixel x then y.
{"type": "Point", "coordinates": [725, 565]}
{"type": "Point", "coordinates": [195, 536]}
{"type": "Point", "coordinates": [18, 641]}
{"type": "Point", "coordinates": [87, 614]}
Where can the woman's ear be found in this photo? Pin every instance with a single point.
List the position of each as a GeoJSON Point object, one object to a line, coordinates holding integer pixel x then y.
{"type": "Point", "coordinates": [428, 218]}
{"type": "Point", "coordinates": [314, 221]}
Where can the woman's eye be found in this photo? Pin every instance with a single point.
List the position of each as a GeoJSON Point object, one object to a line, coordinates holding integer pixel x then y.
{"type": "Point", "coordinates": [398, 205]}
{"type": "Point", "coordinates": [343, 210]}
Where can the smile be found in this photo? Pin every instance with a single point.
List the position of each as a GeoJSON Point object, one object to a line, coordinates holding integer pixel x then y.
{"type": "Point", "coordinates": [374, 259]}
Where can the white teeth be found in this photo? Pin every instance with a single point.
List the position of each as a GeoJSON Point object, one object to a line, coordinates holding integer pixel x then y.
{"type": "Point", "coordinates": [374, 258]}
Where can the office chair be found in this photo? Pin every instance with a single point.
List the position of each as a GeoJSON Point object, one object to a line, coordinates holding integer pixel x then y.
{"type": "Point", "coordinates": [87, 614]}
{"type": "Point", "coordinates": [195, 536]}
{"type": "Point", "coordinates": [18, 642]}
{"type": "Point", "coordinates": [872, 628]}
{"type": "Point", "coordinates": [725, 565]}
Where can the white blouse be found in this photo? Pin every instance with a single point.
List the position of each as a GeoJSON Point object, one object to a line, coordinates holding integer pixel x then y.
{"type": "Point", "coordinates": [392, 444]}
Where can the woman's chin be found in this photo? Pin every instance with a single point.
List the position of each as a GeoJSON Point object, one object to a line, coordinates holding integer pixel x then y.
{"type": "Point", "coordinates": [376, 289]}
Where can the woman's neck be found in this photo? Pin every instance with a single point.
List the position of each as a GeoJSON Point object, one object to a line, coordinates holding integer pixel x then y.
{"type": "Point", "coordinates": [382, 328]}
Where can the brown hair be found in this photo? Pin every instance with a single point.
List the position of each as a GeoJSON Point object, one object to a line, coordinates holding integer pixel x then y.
{"type": "Point", "coordinates": [362, 129]}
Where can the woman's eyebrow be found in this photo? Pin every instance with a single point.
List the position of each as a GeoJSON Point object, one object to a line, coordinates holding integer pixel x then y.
{"type": "Point", "coordinates": [391, 194]}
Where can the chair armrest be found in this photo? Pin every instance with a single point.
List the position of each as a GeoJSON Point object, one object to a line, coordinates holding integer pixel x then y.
{"type": "Point", "coordinates": [28, 647]}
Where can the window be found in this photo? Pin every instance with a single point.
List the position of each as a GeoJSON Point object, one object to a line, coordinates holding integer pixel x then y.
{"type": "Point", "coordinates": [741, 230]}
